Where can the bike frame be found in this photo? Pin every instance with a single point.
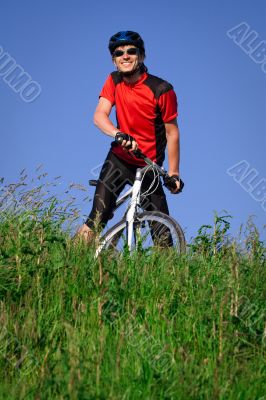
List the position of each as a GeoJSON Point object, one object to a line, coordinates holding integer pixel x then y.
{"type": "Point", "coordinates": [135, 193]}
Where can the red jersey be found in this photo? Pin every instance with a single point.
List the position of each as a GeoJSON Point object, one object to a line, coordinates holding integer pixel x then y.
{"type": "Point", "coordinates": [142, 109]}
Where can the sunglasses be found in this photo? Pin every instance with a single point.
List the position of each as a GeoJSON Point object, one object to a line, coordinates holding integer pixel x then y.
{"type": "Point", "coordinates": [132, 51]}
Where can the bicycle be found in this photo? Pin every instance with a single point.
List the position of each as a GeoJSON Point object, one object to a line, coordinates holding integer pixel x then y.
{"type": "Point", "coordinates": [140, 229]}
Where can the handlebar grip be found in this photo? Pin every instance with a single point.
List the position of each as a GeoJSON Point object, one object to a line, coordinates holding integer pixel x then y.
{"type": "Point", "coordinates": [119, 140]}
{"type": "Point", "coordinates": [170, 183]}
{"type": "Point", "coordinates": [137, 153]}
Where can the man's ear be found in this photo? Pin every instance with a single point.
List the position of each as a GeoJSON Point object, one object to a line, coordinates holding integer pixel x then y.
{"type": "Point", "coordinates": [141, 58]}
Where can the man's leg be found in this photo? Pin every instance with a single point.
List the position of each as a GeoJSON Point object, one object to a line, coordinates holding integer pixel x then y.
{"type": "Point", "coordinates": [156, 201]}
{"type": "Point", "coordinates": [112, 180]}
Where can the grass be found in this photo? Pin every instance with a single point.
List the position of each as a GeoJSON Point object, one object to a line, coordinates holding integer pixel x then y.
{"type": "Point", "coordinates": [161, 326]}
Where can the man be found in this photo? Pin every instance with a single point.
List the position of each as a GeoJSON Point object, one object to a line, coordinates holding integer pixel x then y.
{"type": "Point", "coordinates": [146, 110]}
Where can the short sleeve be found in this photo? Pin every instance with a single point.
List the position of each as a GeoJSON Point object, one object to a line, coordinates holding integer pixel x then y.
{"type": "Point", "coordinates": [108, 90]}
{"type": "Point", "coordinates": [168, 105]}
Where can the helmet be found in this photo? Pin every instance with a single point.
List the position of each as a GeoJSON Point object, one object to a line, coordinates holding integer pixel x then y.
{"type": "Point", "coordinates": [126, 37]}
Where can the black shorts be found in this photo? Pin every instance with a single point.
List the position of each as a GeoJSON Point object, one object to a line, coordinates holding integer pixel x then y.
{"type": "Point", "coordinates": [114, 176]}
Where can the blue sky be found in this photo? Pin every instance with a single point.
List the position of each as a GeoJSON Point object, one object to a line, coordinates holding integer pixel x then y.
{"type": "Point", "coordinates": [62, 45]}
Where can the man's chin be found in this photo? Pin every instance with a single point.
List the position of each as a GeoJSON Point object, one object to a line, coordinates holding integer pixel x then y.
{"type": "Point", "coordinates": [125, 70]}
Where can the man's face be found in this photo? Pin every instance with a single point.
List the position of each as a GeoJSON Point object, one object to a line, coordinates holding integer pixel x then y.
{"type": "Point", "coordinates": [126, 62]}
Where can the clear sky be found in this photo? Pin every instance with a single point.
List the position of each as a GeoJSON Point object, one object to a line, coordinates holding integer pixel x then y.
{"type": "Point", "coordinates": [220, 84]}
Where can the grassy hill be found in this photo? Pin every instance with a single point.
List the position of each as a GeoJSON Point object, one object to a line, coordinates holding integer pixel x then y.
{"type": "Point", "coordinates": [161, 326]}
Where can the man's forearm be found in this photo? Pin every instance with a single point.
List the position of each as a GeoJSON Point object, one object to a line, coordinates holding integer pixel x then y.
{"type": "Point", "coordinates": [173, 145]}
{"type": "Point", "coordinates": [103, 122]}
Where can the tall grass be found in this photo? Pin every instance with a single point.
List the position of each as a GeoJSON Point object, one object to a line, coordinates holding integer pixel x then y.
{"type": "Point", "coordinates": [159, 326]}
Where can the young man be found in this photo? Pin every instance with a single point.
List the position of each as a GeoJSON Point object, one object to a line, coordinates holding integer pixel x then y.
{"type": "Point", "coordinates": [146, 110]}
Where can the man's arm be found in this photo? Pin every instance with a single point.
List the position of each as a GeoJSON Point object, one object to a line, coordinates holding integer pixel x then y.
{"type": "Point", "coordinates": [101, 117]}
{"type": "Point", "coordinates": [173, 145]}
{"type": "Point", "coordinates": [102, 121]}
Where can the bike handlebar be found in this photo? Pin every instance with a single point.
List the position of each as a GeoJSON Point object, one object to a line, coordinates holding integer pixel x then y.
{"type": "Point", "coordinates": [169, 181]}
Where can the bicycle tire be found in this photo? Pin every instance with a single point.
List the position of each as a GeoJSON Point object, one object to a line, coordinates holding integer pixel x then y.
{"type": "Point", "coordinates": [155, 219]}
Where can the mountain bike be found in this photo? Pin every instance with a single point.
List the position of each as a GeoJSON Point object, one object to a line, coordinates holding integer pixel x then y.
{"type": "Point", "coordinates": [138, 229]}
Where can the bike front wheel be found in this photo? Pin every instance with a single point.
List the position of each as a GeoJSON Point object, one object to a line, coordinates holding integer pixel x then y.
{"type": "Point", "coordinates": [152, 229]}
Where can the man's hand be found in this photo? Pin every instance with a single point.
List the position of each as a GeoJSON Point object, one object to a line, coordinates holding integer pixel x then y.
{"type": "Point", "coordinates": [126, 141]}
{"type": "Point", "coordinates": [174, 184]}
{"type": "Point", "coordinates": [177, 188]}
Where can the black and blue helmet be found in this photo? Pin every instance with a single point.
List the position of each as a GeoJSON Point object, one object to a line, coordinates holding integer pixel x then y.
{"type": "Point", "coordinates": [126, 37]}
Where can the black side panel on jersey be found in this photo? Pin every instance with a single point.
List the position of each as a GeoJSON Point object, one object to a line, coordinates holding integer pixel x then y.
{"type": "Point", "coordinates": [157, 85]}
{"type": "Point", "coordinates": [160, 136]}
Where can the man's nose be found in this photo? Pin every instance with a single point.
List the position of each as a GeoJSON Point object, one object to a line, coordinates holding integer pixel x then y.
{"type": "Point", "coordinates": [125, 55]}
